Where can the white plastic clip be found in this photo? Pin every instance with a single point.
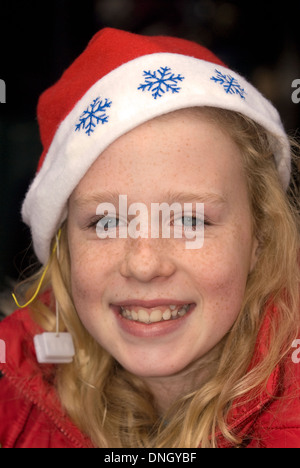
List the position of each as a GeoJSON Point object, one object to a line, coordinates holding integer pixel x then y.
{"type": "Point", "coordinates": [54, 348]}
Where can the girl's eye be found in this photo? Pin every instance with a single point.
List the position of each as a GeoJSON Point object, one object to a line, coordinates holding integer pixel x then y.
{"type": "Point", "coordinates": [104, 223]}
{"type": "Point", "coordinates": [189, 222]}
{"type": "Point", "coordinates": [108, 222]}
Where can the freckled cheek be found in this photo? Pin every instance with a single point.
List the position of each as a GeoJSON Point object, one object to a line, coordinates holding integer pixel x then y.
{"type": "Point", "coordinates": [90, 272]}
{"type": "Point", "coordinates": [80, 281]}
{"type": "Point", "coordinates": [221, 283]}
{"type": "Point", "coordinates": [84, 274]}
{"type": "Point", "coordinates": [222, 277]}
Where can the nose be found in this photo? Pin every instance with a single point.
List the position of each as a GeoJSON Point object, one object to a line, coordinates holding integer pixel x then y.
{"type": "Point", "coordinates": [146, 259]}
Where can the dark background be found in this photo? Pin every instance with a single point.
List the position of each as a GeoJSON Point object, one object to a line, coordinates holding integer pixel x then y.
{"type": "Point", "coordinates": [39, 39]}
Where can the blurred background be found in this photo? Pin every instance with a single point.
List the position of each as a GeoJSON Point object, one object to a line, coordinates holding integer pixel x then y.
{"type": "Point", "coordinates": [39, 39]}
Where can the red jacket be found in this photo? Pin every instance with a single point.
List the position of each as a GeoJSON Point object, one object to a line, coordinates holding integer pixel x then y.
{"type": "Point", "coordinates": [31, 415]}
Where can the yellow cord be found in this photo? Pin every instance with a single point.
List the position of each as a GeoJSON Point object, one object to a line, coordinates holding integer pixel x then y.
{"type": "Point", "coordinates": [41, 280]}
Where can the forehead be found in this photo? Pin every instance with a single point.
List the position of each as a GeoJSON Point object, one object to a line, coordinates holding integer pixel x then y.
{"type": "Point", "coordinates": [184, 148]}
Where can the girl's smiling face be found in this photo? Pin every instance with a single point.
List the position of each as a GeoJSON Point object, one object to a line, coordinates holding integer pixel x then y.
{"type": "Point", "coordinates": [187, 157]}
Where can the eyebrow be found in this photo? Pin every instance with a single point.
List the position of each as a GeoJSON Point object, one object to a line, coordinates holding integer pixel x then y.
{"type": "Point", "coordinates": [200, 197]}
{"type": "Point", "coordinates": [170, 197]}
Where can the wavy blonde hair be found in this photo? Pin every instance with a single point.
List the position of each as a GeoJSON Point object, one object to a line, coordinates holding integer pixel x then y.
{"type": "Point", "coordinates": [115, 408]}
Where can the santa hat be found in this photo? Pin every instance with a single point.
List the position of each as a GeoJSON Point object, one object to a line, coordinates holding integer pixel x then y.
{"type": "Point", "coordinates": [120, 81]}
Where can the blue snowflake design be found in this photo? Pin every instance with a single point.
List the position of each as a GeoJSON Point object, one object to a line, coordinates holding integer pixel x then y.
{"type": "Point", "coordinates": [230, 84]}
{"type": "Point", "coordinates": [93, 115]}
{"type": "Point", "coordinates": [161, 81]}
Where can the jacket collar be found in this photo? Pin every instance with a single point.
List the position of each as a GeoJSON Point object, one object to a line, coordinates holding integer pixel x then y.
{"type": "Point", "coordinates": [244, 409]}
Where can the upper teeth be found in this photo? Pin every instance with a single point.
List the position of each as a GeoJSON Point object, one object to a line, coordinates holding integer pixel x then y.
{"type": "Point", "coordinates": [154, 315]}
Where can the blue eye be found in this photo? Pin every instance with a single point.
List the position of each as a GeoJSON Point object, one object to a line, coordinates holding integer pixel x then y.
{"type": "Point", "coordinates": [189, 222]}
{"type": "Point", "coordinates": [108, 222]}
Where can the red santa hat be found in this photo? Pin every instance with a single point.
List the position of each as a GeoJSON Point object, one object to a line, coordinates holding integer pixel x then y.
{"type": "Point", "coordinates": [119, 82]}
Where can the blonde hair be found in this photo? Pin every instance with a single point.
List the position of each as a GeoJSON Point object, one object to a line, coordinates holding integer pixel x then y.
{"type": "Point", "coordinates": [115, 408]}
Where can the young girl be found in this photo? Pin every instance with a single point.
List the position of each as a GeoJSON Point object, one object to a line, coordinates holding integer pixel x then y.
{"type": "Point", "coordinates": [176, 343]}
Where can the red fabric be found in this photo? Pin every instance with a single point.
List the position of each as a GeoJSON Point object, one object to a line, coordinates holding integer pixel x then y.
{"type": "Point", "coordinates": [107, 50]}
{"type": "Point", "coordinates": [31, 415]}
{"type": "Point", "coordinates": [30, 412]}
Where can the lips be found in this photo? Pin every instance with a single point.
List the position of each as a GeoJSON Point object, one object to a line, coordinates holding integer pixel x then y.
{"type": "Point", "coordinates": [149, 328]}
